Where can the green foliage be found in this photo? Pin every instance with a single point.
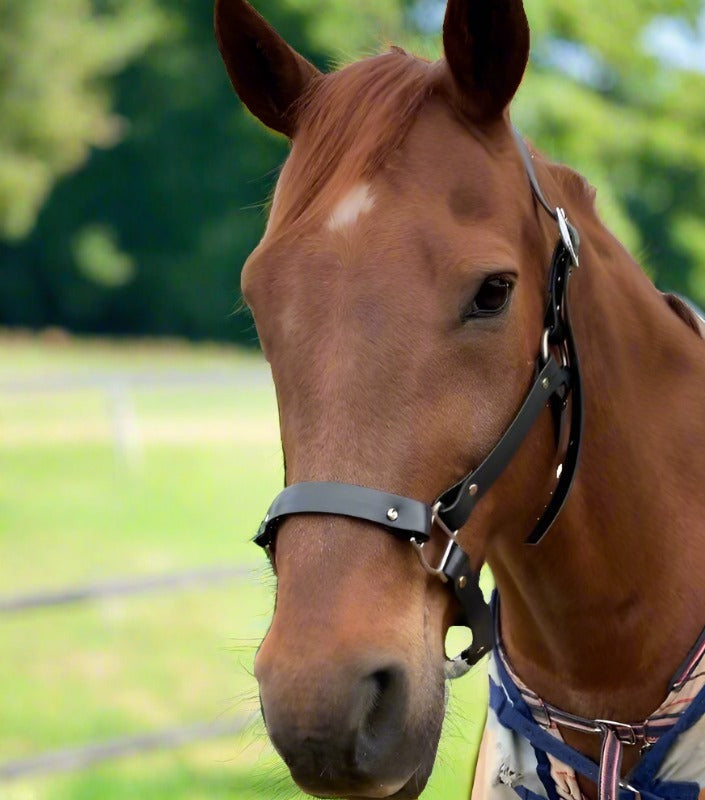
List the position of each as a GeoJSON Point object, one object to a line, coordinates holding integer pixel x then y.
{"type": "Point", "coordinates": [149, 236]}
{"type": "Point", "coordinates": [54, 103]}
{"type": "Point", "coordinates": [98, 257]}
{"type": "Point", "coordinates": [631, 124]}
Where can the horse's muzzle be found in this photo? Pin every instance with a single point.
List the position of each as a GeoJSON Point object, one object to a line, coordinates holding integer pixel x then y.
{"type": "Point", "coordinates": [342, 732]}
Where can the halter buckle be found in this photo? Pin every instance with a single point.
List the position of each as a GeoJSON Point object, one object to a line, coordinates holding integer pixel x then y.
{"type": "Point", "coordinates": [625, 732]}
{"type": "Point", "coordinates": [436, 572]}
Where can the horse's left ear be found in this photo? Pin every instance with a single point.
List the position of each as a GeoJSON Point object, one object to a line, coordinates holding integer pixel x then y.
{"type": "Point", "coordinates": [486, 44]}
{"type": "Point", "coordinates": [268, 75]}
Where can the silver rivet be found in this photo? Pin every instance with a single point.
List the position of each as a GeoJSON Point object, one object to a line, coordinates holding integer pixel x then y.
{"type": "Point", "coordinates": [392, 515]}
{"type": "Point", "coordinates": [473, 489]}
{"type": "Point", "coordinates": [545, 383]}
{"type": "Point", "coordinates": [462, 581]}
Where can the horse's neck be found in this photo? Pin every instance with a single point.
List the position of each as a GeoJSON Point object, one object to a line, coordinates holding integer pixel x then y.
{"type": "Point", "coordinates": [613, 599]}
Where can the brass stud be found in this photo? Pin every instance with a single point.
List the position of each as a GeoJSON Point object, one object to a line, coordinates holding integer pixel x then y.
{"type": "Point", "coordinates": [392, 515]}
{"type": "Point", "coordinates": [473, 489]}
{"type": "Point", "coordinates": [545, 383]}
{"type": "Point", "coordinates": [462, 582]}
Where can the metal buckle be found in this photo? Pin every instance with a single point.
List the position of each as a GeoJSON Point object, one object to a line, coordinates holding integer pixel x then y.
{"type": "Point", "coordinates": [565, 235]}
{"type": "Point", "coordinates": [436, 572]}
{"type": "Point", "coordinates": [545, 350]}
{"type": "Point", "coordinates": [618, 728]}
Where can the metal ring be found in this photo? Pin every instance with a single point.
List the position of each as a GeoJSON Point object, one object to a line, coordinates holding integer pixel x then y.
{"type": "Point", "coordinates": [436, 520]}
{"type": "Point", "coordinates": [545, 352]}
{"type": "Point", "coordinates": [435, 572]}
{"type": "Point", "coordinates": [544, 345]}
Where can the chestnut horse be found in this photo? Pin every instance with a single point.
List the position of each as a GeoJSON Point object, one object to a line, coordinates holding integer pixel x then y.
{"type": "Point", "coordinates": [399, 293]}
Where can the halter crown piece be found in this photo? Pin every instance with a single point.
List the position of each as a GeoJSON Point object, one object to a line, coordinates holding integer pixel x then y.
{"type": "Point", "coordinates": [557, 380]}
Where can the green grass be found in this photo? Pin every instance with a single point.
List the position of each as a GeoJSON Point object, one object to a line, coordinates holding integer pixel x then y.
{"type": "Point", "coordinates": [189, 492]}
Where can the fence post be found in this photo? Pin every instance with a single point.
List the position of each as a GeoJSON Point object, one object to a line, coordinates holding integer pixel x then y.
{"type": "Point", "coordinates": [126, 432]}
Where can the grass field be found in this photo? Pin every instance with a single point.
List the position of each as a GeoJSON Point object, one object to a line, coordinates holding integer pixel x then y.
{"type": "Point", "coordinates": [111, 464]}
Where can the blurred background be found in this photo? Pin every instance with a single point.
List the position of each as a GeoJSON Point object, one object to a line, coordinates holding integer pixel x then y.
{"type": "Point", "coordinates": [138, 427]}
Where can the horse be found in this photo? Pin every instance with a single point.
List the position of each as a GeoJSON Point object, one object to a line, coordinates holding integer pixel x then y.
{"type": "Point", "coordinates": [400, 294]}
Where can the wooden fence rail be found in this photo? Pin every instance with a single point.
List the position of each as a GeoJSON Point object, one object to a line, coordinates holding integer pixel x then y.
{"type": "Point", "coordinates": [77, 758]}
{"type": "Point", "coordinates": [123, 587]}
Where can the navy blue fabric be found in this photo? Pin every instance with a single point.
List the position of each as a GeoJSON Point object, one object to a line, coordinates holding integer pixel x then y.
{"type": "Point", "coordinates": [544, 772]}
{"type": "Point", "coordinates": [513, 713]}
{"type": "Point", "coordinates": [544, 766]}
{"type": "Point", "coordinates": [672, 790]}
{"type": "Point", "coordinates": [508, 704]}
{"type": "Point", "coordinates": [642, 778]}
{"type": "Point", "coordinates": [513, 719]}
{"type": "Point", "coordinates": [526, 794]}
{"type": "Point", "coordinates": [684, 790]}
{"type": "Point", "coordinates": [644, 774]}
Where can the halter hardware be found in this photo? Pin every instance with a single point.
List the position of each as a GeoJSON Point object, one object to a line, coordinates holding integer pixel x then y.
{"type": "Point", "coordinates": [413, 520]}
{"type": "Point", "coordinates": [437, 572]}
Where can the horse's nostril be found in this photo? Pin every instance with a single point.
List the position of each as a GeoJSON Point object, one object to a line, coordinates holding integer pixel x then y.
{"type": "Point", "coordinates": [344, 734]}
{"type": "Point", "coordinates": [383, 709]}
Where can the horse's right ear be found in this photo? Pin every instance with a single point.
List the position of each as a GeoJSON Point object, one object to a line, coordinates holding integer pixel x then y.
{"type": "Point", "coordinates": [486, 45]}
{"type": "Point", "coordinates": [268, 75]}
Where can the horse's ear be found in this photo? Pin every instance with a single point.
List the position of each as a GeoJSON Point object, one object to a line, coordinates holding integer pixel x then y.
{"type": "Point", "coordinates": [268, 75]}
{"type": "Point", "coordinates": [486, 44]}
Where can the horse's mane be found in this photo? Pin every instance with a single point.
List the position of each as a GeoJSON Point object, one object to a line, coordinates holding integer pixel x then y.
{"type": "Point", "coordinates": [575, 185]}
{"type": "Point", "coordinates": [348, 125]}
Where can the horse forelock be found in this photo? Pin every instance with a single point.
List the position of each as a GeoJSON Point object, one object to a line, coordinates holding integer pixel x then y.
{"type": "Point", "coordinates": [350, 122]}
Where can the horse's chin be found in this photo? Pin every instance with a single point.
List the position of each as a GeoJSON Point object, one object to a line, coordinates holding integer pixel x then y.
{"type": "Point", "coordinates": [409, 791]}
{"type": "Point", "coordinates": [402, 789]}
{"type": "Point", "coordinates": [412, 788]}
{"type": "Point", "coordinates": [405, 790]}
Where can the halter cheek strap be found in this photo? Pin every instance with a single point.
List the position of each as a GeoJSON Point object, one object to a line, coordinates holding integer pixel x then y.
{"type": "Point", "coordinates": [556, 384]}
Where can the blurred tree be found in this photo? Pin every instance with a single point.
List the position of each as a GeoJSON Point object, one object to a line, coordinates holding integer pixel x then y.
{"type": "Point", "coordinates": [150, 236]}
{"type": "Point", "coordinates": [607, 96]}
{"type": "Point", "coordinates": [54, 104]}
{"type": "Point", "coordinates": [183, 193]}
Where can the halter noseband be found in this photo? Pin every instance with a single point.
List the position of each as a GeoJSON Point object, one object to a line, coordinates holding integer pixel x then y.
{"type": "Point", "coordinates": [413, 520]}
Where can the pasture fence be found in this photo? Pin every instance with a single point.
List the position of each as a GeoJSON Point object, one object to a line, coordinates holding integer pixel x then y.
{"type": "Point", "coordinates": [122, 587]}
{"type": "Point", "coordinates": [77, 758]}
{"type": "Point", "coordinates": [117, 387]}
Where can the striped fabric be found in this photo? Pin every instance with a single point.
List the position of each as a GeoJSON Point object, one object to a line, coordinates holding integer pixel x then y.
{"type": "Point", "coordinates": [510, 765]}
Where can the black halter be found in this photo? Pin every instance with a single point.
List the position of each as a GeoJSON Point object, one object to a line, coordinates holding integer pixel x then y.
{"type": "Point", "coordinates": [557, 378]}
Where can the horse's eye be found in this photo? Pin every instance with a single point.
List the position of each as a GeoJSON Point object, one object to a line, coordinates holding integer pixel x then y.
{"type": "Point", "coordinates": [492, 298]}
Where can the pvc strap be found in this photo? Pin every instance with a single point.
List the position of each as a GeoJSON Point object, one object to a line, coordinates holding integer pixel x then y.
{"type": "Point", "coordinates": [528, 160]}
{"type": "Point", "coordinates": [401, 516]}
{"type": "Point", "coordinates": [458, 503]}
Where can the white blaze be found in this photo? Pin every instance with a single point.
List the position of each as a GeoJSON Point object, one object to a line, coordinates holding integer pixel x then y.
{"type": "Point", "coordinates": [356, 202]}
